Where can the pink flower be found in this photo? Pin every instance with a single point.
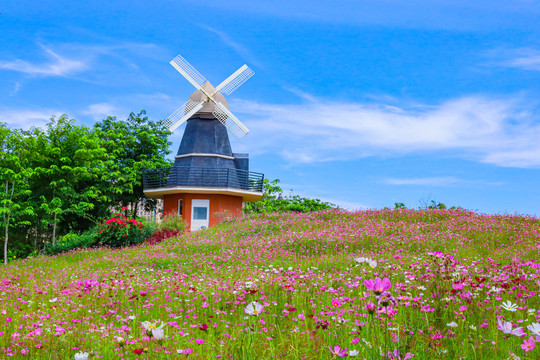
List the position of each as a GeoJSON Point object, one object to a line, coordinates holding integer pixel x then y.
{"type": "Point", "coordinates": [200, 341]}
{"type": "Point", "coordinates": [458, 286]}
{"type": "Point", "coordinates": [371, 307]}
{"type": "Point", "coordinates": [336, 302]}
{"type": "Point", "coordinates": [506, 327]}
{"type": "Point", "coordinates": [337, 351]}
{"type": "Point", "coordinates": [528, 345]}
{"type": "Point", "coordinates": [378, 285]}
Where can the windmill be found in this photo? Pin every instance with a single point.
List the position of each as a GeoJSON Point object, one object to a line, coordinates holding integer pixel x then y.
{"type": "Point", "coordinates": [207, 178]}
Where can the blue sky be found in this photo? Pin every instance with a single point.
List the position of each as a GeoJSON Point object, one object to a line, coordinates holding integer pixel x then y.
{"type": "Point", "coordinates": [360, 103]}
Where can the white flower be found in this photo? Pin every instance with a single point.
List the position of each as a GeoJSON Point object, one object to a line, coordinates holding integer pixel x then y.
{"type": "Point", "coordinates": [353, 352]}
{"type": "Point", "coordinates": [81, 356]}
{"type": "Point", "coordinates": [372, 263]}
{"type": "Point", "coordinates": [361, 259]}
{"type": "Point", "coordinates": [472, 327]}
{"type": "Point", "coordinates": [452, 324]}
{"type": "Point", "coordinates": [534, 328]}
{"type": "Point", "coordinates": [509, 306]}
{"type": "Point", "coordinates": [150, 327]}
{"type": "Point", "coordinates": [421, 288]}
{"type": "Point", "coordinates": [495, 289]}
{"type": "Point", "coordinates": [53, 300]}
{"type": "Point", "coordinates": [253, 308]}
{"type": "Point", "coordinates": [158, 334]}
{"type": "Point", "coordinates": [513, 357]}
{"type": "Point", "coordinates": [119, 339]}
{"type": "Point", "coordinates": [131, 317]}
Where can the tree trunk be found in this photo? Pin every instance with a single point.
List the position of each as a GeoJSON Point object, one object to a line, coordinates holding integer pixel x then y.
{"type": "Point", "coordinates": [6, 219]}
{"type": "Point", "coordinates": [134, 207]}
{"type": "Point", "coordinates": [35, 238]}
{"type": "Point", "coordinates": [6, 242]}
{"type": "Point", "coordinates": [54, 231]}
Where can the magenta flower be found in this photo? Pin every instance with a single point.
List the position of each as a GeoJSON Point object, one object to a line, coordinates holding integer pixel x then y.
{"type": "Point", "coordinates": [528, 345]}
{"type": "Point", "coordinates": [506, 327]}
{"type": "Point", "coordinates": [338, 351]}
{"type": "Point", "coordinates": [378, 285]}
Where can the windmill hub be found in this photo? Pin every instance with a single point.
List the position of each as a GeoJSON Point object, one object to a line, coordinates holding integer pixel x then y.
{"type": "Point", "coordinates": [209, 106]}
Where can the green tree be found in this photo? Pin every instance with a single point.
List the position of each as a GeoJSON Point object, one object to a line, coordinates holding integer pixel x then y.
{"type": "Point", "coordinates": [14, 174]}
{"type": "Point", "coordinates": [134, 144]}
{"type": "Point", "coordinates": [70, 167]}
{"type": "Point", "coordinates": [274, 201]}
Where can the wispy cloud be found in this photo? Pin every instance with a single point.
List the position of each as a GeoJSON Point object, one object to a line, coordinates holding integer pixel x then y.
{"type": "Point", "coordinates": [436, 181]}
{"type": "Point", "coordinates": [56, 66]}
{"type": "Point", "coordinates": [526, 58]}
{"type": "Point", "coordinates": [241, 50]}
{"type": "Point", "coordinates": [427, 181]}
{"type": "Point", "coordinates": [493, 130]}
{"type": "Point", "coordinates": [25, 119]}
{"type": "Point", "coordinates": [101, 111]}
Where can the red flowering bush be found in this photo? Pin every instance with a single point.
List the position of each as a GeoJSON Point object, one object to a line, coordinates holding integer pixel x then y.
{"type": "Point", "coordinates": [161, 235]}
{"type": "Point", "coordinates": [120, 231]}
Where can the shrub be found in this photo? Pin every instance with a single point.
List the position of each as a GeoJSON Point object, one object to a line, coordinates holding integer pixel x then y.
{"type": "Point", "coordinates": [172, 221]}
{"type": "Point", "coordinates": [161, 235]}
{"type": "Point", "coordinates": [120, 231]}
{"type": "Point", "coordinates": [72, 241]}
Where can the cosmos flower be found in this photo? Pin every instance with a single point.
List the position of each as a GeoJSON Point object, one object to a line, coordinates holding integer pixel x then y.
{"type": "Point", "coordinates": [353, 352]}
{"type": "Point", "coordinates": [378, 285]}
{"type": "Point", "coordinates": [452, 324]}
{"type": "Point", "coordinates": [506, 327]}
{"type": "Point", "coordinates": [81, 356]}
{"type": "Point", "coordinates": [508, 305]}
{"type": "Point", "coordinates": [158, 334]}
{"type": "Point", "coordinates": [338, 351]}
{"type": "Point", "coordinates": [385, 298]}
{"type": "Point", "coordinates": [253, 308]}
{"type": "Point", "coordinates": [534, 328]}
{"type": "Point", "coordinates": [528, 345]}
{"type": "Point", "coordinates": [150, 327]}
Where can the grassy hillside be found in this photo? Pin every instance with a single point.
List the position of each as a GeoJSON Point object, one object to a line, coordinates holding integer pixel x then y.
{"type": "Point", "coordinates": [460, 285]}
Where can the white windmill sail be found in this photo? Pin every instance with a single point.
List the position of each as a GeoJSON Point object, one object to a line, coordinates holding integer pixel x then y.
{"type": "Point", "coordinates": [221, 112]}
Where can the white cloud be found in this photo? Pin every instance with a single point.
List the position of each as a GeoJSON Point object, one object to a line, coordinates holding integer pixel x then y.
{"type": "Point", "coordinates": [235, 45]}
{"type": "Point", "coordinates": [525, 58]}
{"type": "Point", "coordinates": [57, 66]}
{"type": "Point", "coordinates": [493, 130]}
{"type": "Point", "coordinates": [25, 119]}
{"type": "Point", "coordinates": [101, 111]}
{"type": "Point", "coordinates": [427, 181]}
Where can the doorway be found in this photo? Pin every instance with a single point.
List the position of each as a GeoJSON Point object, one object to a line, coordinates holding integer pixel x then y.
{"type": "Point", "coordinates": [200, 210]}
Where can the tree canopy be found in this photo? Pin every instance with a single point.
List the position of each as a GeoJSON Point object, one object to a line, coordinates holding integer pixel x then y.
{"type": "Point", "coordinates": [67, 177]}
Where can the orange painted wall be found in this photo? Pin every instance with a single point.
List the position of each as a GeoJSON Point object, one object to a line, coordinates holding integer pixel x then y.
{"type": "Point", "coordinates": [218, 204]}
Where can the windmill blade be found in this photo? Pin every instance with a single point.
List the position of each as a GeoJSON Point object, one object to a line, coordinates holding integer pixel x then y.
{"type": "Point", "coordinates": [234, 81]}
{"type": "Point", "coordinates": [188, 71]}
{"type": "Point", "coordinates": [230, 121]}
{"type": "Point", "coordinates": [182, 114]}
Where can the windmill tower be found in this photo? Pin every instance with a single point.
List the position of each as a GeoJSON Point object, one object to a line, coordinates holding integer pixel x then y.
{"type": "Point", "coordinates": [207, 178]}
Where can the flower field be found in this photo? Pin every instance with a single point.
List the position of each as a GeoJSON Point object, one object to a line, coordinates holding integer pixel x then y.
{"type": "Point", "coordinates": [378, 284]}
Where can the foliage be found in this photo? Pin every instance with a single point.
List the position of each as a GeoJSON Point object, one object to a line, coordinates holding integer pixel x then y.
{"type": "Point", "coordinates": [72, 241]}
{"type": "Point", "coordinates": [14, 174]}
{"type": "Point", "coordinates": [273, 201]}
{"type": "Point", "coordinates": [65, 178]}
{"type": "Point", "coordinates": [461, 285]}
{"type": "Point", "coordinates": [119, 231]}
{"type": "Point", "coordinates": [172, 221]}
{"type": "Point", "coordinates": [134, 144]}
